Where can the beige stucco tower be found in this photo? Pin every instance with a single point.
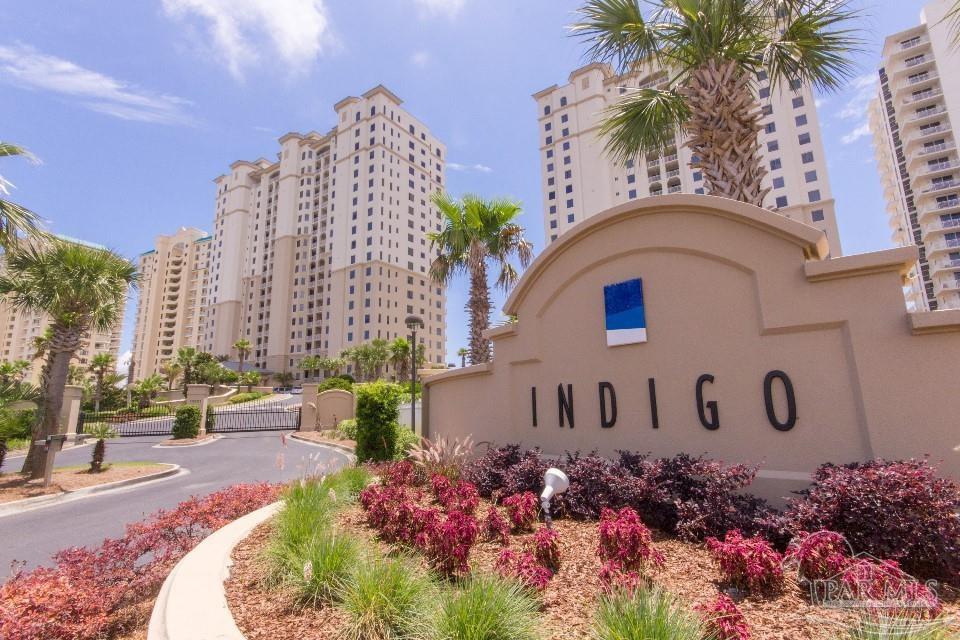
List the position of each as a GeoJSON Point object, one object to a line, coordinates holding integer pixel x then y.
{"type": "Point", "coordinates": [580, 180]}
{"type": "Point", "coordinates": [171, 312]}
{"type": "Point", "coordinates": [911, 121]}
{"type": "Point", "coordinates": [325, 247]}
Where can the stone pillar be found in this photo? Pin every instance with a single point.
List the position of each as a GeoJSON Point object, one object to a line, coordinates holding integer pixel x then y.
{"type": "Point", "coordinates": [70, 411]}
{"type": "Point", "coordinates": [308, 407]}
{"type": "Point", "coordinates": [197, 393]}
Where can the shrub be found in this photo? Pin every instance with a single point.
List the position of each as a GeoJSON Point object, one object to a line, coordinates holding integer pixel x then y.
{"type": "Point", "coordinates": [487, 608]}
{"type": "Point", "coordinates": [325, 564]}
{"type": "Point", "coordinates": [404, 442]}
{"type": "Point", "coordinates": [626, 549]}
{"type": "Point", "coordinates": [596, 483]}
{"type": "Point", "coordinates": [387, 599]}
{"type": "Point", "coordinates": [458, 496]}
{"type": "Point", "coordinates": [525, 568]}
{"type": "Point", "coordinates": [749, 563]}
{"type": "Point", "coordinates": [883, 626]}
{"type": "Point", "coordinates": [496, 527]}
{"type": "Point", "coordinates": [525, 476]}
{"type": "Point", "coordinates": [378, 407]}
{"type": "Point", "coordinates": [723, 619]}
{"type": "Point", "coordinates": [250, 396]}
{"type": "Point", "coordinates": [546, 548]}
{"type": "Point", "coordinates": [442, 456]}
{"type": "Point", "coordinates": [347, 429]}
{"type": "Point", "coordinates": [818, 556]}
{"type": "Point", "coordinates": [895, 510]}
{"type": "Point", "coordinates": [522, 510]}
{"type": "Point", "coordinates": [447, 543]}
{"type": "Point", "coordinates": [398, 474]}
{"type": "Point", "coordinates": [488, 472]}
{"type": "Point", "coordinates": [81, 596]}
{"type": "Point", "coordinates": [337, 382]}
{"type": "Point", "coordinates": [186, 424]}
{"type": "Point", "coordinates": [644, 614]}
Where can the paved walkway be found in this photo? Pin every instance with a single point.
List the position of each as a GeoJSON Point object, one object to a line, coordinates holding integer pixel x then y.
{"type": "Point", "coordinates": [238, 457]}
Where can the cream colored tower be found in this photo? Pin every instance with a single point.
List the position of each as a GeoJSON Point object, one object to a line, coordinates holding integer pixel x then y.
{"type": "Point", "coordinates": [20, 331]}
{"type": "Point", "coordinates": [171, 312]}
{"type": "Point", "coordinates": [580, 180]}
{"type": "Point", "coordinates": [325, 247]}
{"type": "Point", "coordinates": [911, 121]}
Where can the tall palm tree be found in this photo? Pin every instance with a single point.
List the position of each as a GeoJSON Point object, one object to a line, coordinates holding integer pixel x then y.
{"type": "Point", "coordinates": [243, 351]}
{"type": "Point", "coordinates": [14, 218]}
{"type": "Point", "coordinates": [100, 366]}
{"type": "Point", "coordinates": [188, 361]}
{"type": "Point", "coordinates": [147, 389]}
{"type": "Point", "coordinates": [462, 352]}
{"type": "Point", "coordinates": [283, 378]}
{"type": "Point", "coordinates": [400, 358]}
{"type": "Point", "coordinates": [477, 232]}
{"type": "Point", "coordinates": [352, 356]}
{"type": "Point", "coordinates": [713, 51]}
{"type": "Point", "coordinates": [80, 288]}
{"type": "Point", "coordinates": [378, 354]}
{"type": "Point", "coordinates": [311, 363]}
{"type": "Point", "coordinates": [171, 370]}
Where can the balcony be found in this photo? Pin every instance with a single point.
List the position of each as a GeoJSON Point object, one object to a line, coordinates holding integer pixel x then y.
{"type": "Point", "coordinates": [937, 110]}
{"type": "Point", "coordinates": [912, 45]}
{"type": "Point", "coordinates": [926, 76]}
{"type": "Point", "coordinates": [653, 163]}
{"type": "Point", "coordinates": [948, 285]}
{"type": "Point", "coordinates": [940, 186]}
{"type": "Point", "coordinates": [937, 167]}
{"type": "Point", "coordinates": [671, 158]}
{"type": "Point", "coordinates": [929, 94]}
{"type": "Point", "coordinates": [674, 189]}
{"type": "Point", "coordinates": [673, 173]}
{"type": "Point", "coordinates": [942, 245]}
{"type": "Point", "coordinates": [921, 135]}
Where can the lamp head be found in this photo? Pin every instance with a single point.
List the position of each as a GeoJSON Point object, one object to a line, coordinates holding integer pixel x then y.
{"type": "Point", "coordinates": [414, 322]}
{"type": "Point", "coordinates": [554, 482]}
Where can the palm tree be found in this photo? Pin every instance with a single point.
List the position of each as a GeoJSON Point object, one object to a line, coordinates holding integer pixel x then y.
{"type": "Point", "coordinates": [378, 353]}
{"type": "Point", "coordinates": [187, 360]}
{"type": "Point", "coordinates": [400, 358]}
{"type": "Point", "coordinates": [462, 352]}
{"type": "Point", "coordinates": [243, 350]}
{"type": "Point", "coordinates": [714, 51]}
{"type": "Point", "coordinates": [13, 372]}
{"type": "Point", "coordinates": [311, 363]}
{"type": "Point", "coordinates": [283, 378]}
{"type": "Point", "coordinates": [475, 232]}
{"type": "Point", "coordinates": [147, 389]}
{"type": "Point", "coordinates": [171, 370]}
{"type": "Point", "coordinates": [250, 379]}
{"type": "Point", "coordinates": [953, 17]}
{"type": "Point", "coordinates": [101, 365]}
{"type": "Point", "coordinates": [14, 218]}
{"type": "Point", "coordinates": [353, 356]}
{"type": "Point", "coordinates": [80, 288]}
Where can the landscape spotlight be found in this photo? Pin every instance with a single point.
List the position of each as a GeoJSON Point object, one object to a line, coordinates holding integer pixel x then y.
{"type": "Point", "coordinates": [554, 482]}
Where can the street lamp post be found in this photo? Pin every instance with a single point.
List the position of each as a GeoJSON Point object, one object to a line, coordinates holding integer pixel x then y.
{"type": "Point", "coordinates": [412, 323]}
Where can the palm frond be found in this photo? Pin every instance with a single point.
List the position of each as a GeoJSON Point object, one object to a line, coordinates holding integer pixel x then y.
{"type": "Point", "coordinates": [953, 17]}
{"type": "Point", "coordinates": [643, 121]}
{"type": "Point", "coordinates": [812, 42]}
{"type": "Point", "coordinates": [617, 32]}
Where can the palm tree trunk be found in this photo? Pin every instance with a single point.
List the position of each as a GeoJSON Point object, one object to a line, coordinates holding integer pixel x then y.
{"type": "Point", "coordinates": [723, 132]}
{"type": "Point", "coordinates": [478, 308]}
{"type": "Point", "coordinates": [98, 394]}
{"type": "Point", "coordinates": [63, 344]}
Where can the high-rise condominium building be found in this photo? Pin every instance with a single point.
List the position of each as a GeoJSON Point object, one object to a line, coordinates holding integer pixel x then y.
{"type": "Point", "coordinates": [325, 247]}
{"type": "Point", "coordinates": [580, 179]}
{"type": "Point", "coordinates": [171, 311]}
{"type": "Point", "coordinates": [21, 330]}
{"type": "Point", "coordinates": [919, 98]}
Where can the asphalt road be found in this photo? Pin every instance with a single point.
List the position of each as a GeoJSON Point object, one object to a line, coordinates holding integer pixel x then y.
{"type": "Point", "coordinates": [238, 457]}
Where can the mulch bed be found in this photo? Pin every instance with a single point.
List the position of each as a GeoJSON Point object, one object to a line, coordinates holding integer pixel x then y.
{"type": "Point", "coordinates": [324, 437]}
{"type": "Point", "coordinates": [569, 600]}
{"type": "Point", "coordinates": [182, 442]}
{"type": "Point", "coordinates": [14, 486]}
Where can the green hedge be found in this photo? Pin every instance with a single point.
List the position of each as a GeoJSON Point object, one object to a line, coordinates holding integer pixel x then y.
{"type": "Point", "coordinates": [247, 397]}
{"type": "Point", "coordinates": [187, 422]}
{"type": "Point", "coordinates": [378, 411]}
{"type": "Point", "coordinates": [337, 382]}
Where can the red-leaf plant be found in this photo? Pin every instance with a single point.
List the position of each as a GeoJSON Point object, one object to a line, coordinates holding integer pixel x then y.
{"type": "Point", "coordinates": [496, 527]}
{"type": "Point", "coordinates": [82, 596]}
{"type": "Point", "coordinates": [626, 548]}
{"type": "Point", "coordinates": [724, 620]}
{"type": "Point", "coordinates": [447, 542]}
{"type": "Point", "coordinates": [888, 588]}
{"type": "Point", "coordinates": [524, 567]}
{"type": "Point", "coordinates": [454, 496]}
{"type": "Point", "coordinates": [522, 510]}
{"type": "Point", "coordinates": [818, 556]}
{"type": "Point", "coordinates": [546, 548]}
{"type": "Point", "coordinates": [749, 563]}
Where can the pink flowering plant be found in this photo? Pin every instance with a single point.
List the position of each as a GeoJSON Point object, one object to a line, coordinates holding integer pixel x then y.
{"type": "Point", "coordinates": [522, 510]}
{"type": "Point", "coordinates": [724, 619]}
{"type": "Point", "coordinates": [748, 563]}
{"type": "Point", "coordinates": [626, 549]}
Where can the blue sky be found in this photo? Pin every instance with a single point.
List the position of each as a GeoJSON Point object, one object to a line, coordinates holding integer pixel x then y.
{"type": "Point", "coordinates": [134, 107]}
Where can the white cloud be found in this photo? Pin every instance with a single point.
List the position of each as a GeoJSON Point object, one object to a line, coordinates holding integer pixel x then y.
{"type": "Point", "coordinates": [420, 59]}
{"type": "Point", "coordinates": [448, 8]}
{"type": "Point", "coordinates": [863, 89]}
{"type": "Point", "coordinates": [474, 168]}
{"type": "Point", "coordinates": [860, 132]}
{"type": "Point", "coordinates": [26, 67]}
{"type": "Point", "coordinates": [297, 30]}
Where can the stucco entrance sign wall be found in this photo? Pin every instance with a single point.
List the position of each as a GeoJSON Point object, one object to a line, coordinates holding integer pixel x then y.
{"type": "Point", "coordinates": [758, 348]}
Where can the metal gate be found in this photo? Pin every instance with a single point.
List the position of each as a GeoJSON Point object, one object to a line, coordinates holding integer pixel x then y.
{"type": "Point", "coordinates": [146, 421]}
{"type": "Point", "coordinates": [253, 417]}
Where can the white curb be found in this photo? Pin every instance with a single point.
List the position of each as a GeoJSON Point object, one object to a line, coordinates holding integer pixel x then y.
{"type": "Point", "coordinates": [192, 604]}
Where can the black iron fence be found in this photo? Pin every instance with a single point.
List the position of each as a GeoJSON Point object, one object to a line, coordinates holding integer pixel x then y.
{"type": "Point", "coordinates": [147, 421]}
{"type": "Point", "coordinates": [158, 420]}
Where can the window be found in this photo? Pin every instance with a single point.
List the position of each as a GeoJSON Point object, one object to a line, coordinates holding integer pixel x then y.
{"type": "Point", "coordinates": [570, 217]}
{"type": "Point", "coordinates": [767, 110]}
{"type": "Point", "coordinates": [546, 110]}
{"type": "Point", "coordinates": [564, 118]}
{"type": "Point", "coordinates": [548, 126]}
{"type": "Point", "coordinates": [778, 183]}
{"type": "Point", "coordinates": [817, 215]}
{"type": "Point", "coordinates": [781, 201]}
{"type": "Point", "coordinates": [810, 176]}
{"type": "Point", "coordinates": [697, 176]}
{"type": "Point", "coordinates": [553, 224]}
{"type": "Point", "coordinates": [568, 188]}
{"type": "Point", "coordinates": [764, 92]}
{"type": "Point", "coordinates": [570, 203]}
{"type": "Point", "coordinates": [632, 194]}
{"type": "Point", "coordinates": [761, 75]}
{"type": "Point", "coordinates": [814, 196]}
{"type": "Point", "coordinates": [801, 119]}
{"type": "Point", "coordinates": [798, 102]}
{"type": "Point", "coordinates": [804, 138]}
{"type": "Point", "coordinates": [698, 190]}
{"type": "Point", "coordinates": [770, 127]}
{"type": "Point", "coordinates": [566, 145]}
{"type": "Point", "coordinates": [563, 102]}
{"type": "Point", "coordinates": [775, 164]}
{"type": "Point", "coordinates": [807, 157]}
{"type": "Point", "coordinates": [773, 145]}
{"type": "Point", "coordinates": [631, 178]}
{"type": "Point", "coordinates": [549, 140]}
